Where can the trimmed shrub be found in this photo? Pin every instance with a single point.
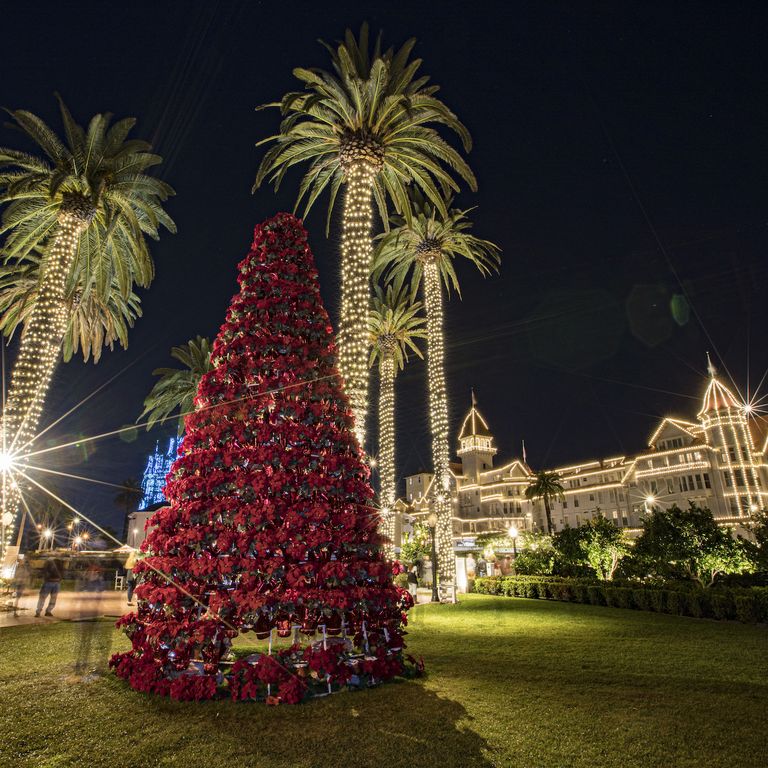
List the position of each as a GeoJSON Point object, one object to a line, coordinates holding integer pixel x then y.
{"type": "Point", "coordinates": [746, 608]}
{"type": "Point", "coordinates": [746, 604]}
{"type": "Point", "coordinates": [723, 605]}
{"type": "Point", "coordinates": [641, 599]}
{"type": "Point", "coordinates": [595, 595]}
{"type": "Point", "coordinates": [671, 602]}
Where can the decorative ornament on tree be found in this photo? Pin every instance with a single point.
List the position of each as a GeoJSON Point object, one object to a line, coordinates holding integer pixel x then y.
{"type": "Point", "coordinates": [270, 525]}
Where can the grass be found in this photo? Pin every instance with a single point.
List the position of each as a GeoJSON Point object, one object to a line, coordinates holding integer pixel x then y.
{"type": "Point", "coordinates": [511, 682]}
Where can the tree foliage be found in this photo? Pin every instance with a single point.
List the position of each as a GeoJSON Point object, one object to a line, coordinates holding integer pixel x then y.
{"type": "Point", "coordinates": [678, 543]}
{"type": "Point", "coordinates": [103, 167]}
{"type": "Point", "coordinates": [177, 387]}
{"type": "Point", "coordinates": [373, 105]}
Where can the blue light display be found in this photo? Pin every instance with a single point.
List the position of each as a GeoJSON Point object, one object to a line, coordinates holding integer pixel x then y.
{"type": "Point", "coordinates": [157, 469]}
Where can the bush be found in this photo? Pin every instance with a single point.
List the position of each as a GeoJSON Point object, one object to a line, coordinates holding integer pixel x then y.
{"type": "Point", "coordinates": [746, 608]}
{"type": "Point", "coordinates": [657, 600]}
{"type": "Point", "coordinates": [676, 598]}
{"type": "Point", "coordinates": [595, 594]}
{"type": "Point", "coordinates": [641, 598]}
{"type": "Point", "coordinates": [693, 603]}
{"type": "Point", "coordinates": [671, 602]}
{"type": "Point", "coordinates": [401, 580]}
{"type": "Point", "coordinates": [723, 605]}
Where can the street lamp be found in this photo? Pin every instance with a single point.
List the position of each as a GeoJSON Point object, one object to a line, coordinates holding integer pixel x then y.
{"type": "Point", "coordinates": [513, 535]}
{"type": "Point", "coordinates": [432, 523]}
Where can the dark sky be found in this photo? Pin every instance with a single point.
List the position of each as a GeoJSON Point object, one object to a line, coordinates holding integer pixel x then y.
{"type": "Point", "coordinates": [622, 158]}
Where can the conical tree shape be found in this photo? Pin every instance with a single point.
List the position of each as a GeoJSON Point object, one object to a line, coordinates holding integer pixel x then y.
{"type": "Point", "coordinates": [270, 522]}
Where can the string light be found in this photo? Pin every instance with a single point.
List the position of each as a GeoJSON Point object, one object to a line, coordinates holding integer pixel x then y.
{"type": "Point", "coordinates": [721, 444]}
{"type": "Point", "coordinates": [356, 262]}
{"type": "Point", "coordinates": [41, 345]}
{"type": "Point", "coordinates": [438, 419]}
{"type": "Point", "coordinates": [386, 459]}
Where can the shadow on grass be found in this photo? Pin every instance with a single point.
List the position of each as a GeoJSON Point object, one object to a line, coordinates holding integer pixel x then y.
{"type": "Point", "coordinates": [398, 724]}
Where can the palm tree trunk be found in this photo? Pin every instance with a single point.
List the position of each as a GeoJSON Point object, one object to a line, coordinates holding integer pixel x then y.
{"type": "Point", "coordinates": [438, 422]}
{"type": "Point", "coordinates": [387, 452]}
{"type": "Point", "coordinates": [39, 352]}
{"type": "Point", "coordinates": [356, 262]}
{"type": "Point", "coordinates": [549, 514]}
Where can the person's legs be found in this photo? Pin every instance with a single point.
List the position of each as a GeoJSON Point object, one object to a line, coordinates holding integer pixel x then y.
{"type": "Point", "coordinates": [44, 592]}
{"type": "Point", "coordinates": [131, 585]}
{"type": "Point", "coordinates": [54, 591]}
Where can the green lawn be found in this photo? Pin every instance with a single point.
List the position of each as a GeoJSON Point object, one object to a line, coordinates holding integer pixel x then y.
{"type": "Point", "coordinates": [511, 682]}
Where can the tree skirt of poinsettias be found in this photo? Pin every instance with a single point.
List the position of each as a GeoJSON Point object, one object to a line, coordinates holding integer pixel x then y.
{"type": "Point", "coordinates": [271, 526]}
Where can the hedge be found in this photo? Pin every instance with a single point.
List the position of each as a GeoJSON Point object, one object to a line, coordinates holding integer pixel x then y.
{"type": "Point", "coordinates": [745, 604]}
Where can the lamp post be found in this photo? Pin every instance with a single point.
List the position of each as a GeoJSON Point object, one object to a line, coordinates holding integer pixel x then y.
{"type": "Point", "coordinates": [432, 523]}
{"type": "Point", "coordinates": [513, 532]}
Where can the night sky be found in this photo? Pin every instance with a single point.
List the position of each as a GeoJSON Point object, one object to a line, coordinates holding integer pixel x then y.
{"type": "Point", "coordinates": [622, 158]}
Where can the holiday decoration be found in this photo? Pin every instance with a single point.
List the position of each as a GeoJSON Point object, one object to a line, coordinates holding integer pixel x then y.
{"type": "Point", "coordinates": [157, 469]}
{"type": "Point", "coordinates": [270, 527]}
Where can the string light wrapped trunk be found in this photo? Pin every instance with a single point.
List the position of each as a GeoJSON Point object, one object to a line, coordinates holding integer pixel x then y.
{"type": "Point", "coordinates": [387, 451]}
{"type": "Point", "coordinates": [356, 261]}
{"type": "Point", "coordinates": [438, 418]}
{"type": "Point", "coordinates": [40, 345]}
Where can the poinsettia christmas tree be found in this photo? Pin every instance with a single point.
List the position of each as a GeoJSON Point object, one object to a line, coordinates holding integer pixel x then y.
{"type": "Point", "coordinates": [270, 525]}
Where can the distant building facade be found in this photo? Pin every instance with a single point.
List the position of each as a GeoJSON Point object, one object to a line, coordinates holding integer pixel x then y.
{"type": "Point", "coordinates": [717, 461]}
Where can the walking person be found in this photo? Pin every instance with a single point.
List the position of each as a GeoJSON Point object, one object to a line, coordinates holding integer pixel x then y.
{"type": "Point", "coordinates": [413, 581]}
{"type": "Point", "coordinates": [130, 576]}
{"type": "Point", "coordinates": [52, 574]}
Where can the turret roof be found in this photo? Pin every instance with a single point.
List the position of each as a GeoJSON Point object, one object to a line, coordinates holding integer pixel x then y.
{"type": "Point", "coordinates": [474, 423]}
{"type": "Point", "coordinates": [717, 396]}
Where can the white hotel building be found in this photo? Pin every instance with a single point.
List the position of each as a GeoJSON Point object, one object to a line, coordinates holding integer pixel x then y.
{"type": "Point", "coordinates": [717, 461]}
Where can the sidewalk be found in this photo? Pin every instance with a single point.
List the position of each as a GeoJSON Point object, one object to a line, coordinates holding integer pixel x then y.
{"type": "Point", "coordinates": [70, 606]}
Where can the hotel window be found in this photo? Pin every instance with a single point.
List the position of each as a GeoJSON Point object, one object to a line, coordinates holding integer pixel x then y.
{"type": "Point", "coordinates": [734, 506]}
{"type": "Point", "coordinates": [624, 520]}
{"type": "Point", "coordinates": [732, 453]}
{"type": "Point", "coordinates": [575, 502]}
{"type": "Point", "coordinates": [565, 504]}
{"type": "Point", "coordinates": [744, 453]}
{"type": "Point", "coordinates": [739, 475]}
{"type": "Point", "coordinates": [699, 484]}
{"type": "Point", "coordinates": [707, 484]}
{"type": "Point", "coordinates": [591, 496]}
{"type": "Point", "coordinates": [578, 521]}
{"type": "Point", "coordinates": [670, 486]}
{"type": "Point", "coordinates": [728, 479]}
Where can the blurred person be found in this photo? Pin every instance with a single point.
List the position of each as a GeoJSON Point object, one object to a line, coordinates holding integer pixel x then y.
{"type": "Point", "coordinates": [52, 575]}
{"type": "Point", "coordinates": [21, 578]}
{"type": "Point", "coordinates": [93, 637]}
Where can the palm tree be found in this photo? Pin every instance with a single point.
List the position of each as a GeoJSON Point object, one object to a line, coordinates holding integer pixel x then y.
{"type": "Point", "coordinates": [546, 486]}
{"type": "Point", "coordinates": [88, 203]}
{"type": "Point", "coordinates": [93, 322]}
{"type": "Point", "coordinates": [368, 125]}
{"type": "Point", "coordinates": [393, 324]}
{"type": "Point", "coordinates": [87, 207]}
{"type": "Point", "coordinates": [177, 387]}
{"type": "Point", "coordinates": [421, 248]}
